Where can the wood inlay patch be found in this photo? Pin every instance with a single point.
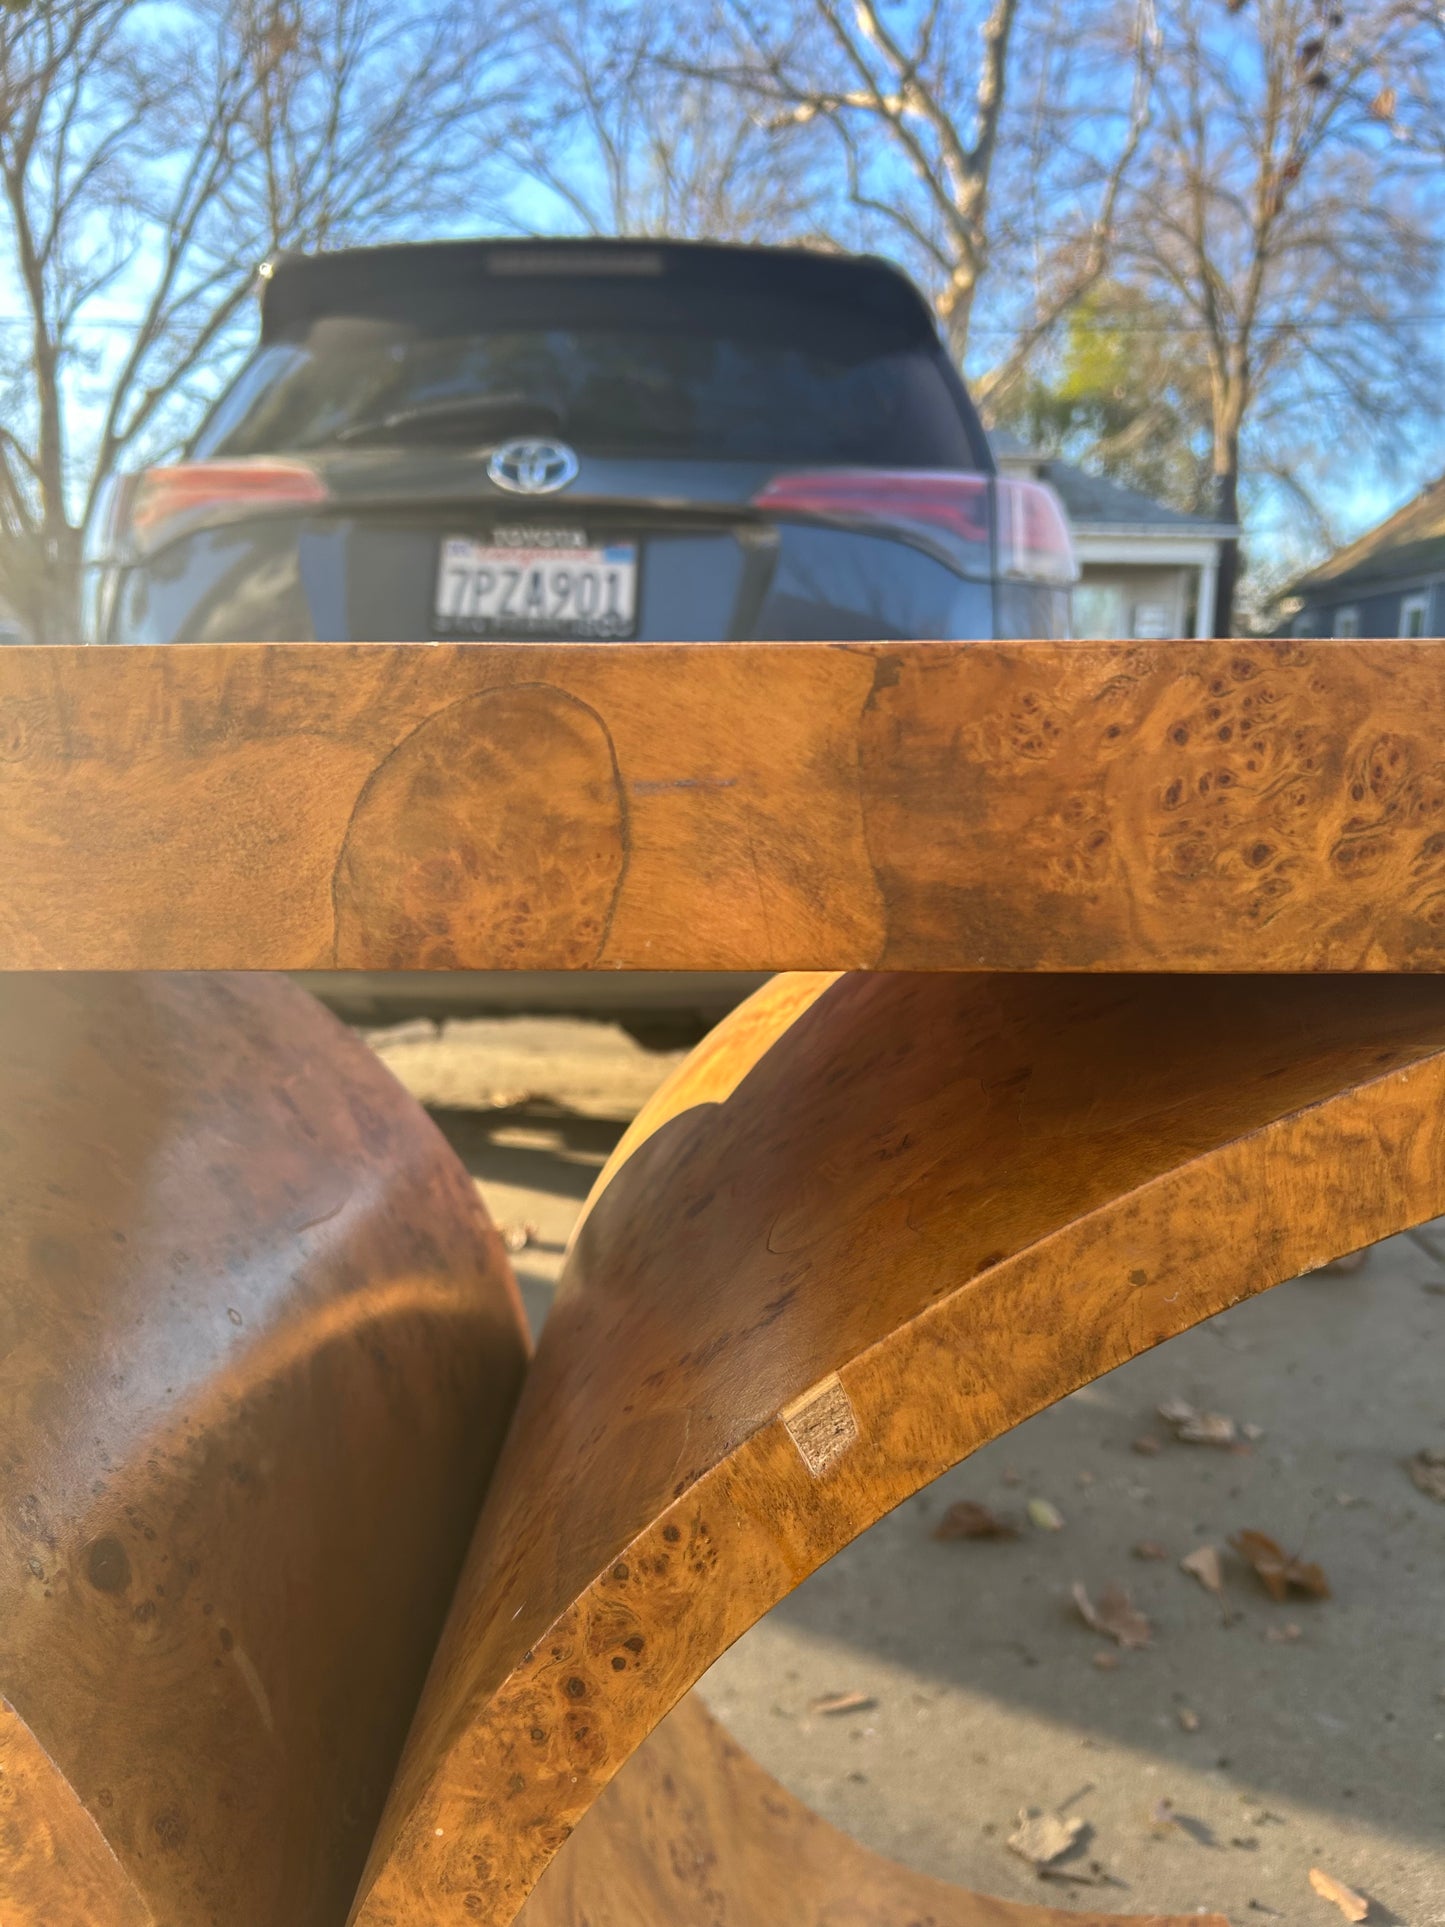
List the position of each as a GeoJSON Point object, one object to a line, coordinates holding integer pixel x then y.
{"type": "Point", "coordinates": [821, 1424]}
{"type": "Point", "coordinates": [498, 822]}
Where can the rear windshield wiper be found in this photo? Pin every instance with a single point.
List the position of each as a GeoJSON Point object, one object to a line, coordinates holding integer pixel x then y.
{"type": "Point", "coordinates": [496, 414]}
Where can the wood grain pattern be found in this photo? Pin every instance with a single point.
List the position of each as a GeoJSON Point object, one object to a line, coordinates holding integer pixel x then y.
{"type": "Point", "coordinates": [693, 1833]}
{"type": "Point", "coordinates": [950, 1199]}
{"type": "Point", "coordinates": [54, 1862]}
{"type": "Point", "coordinates": [499, 821]}
{"type": "Point", "coordinates": [1199, 806]}
{"type": "Point", "coordinates": [258, 1347]}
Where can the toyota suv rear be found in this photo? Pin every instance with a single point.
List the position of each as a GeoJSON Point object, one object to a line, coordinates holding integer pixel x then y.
{"type": "Point", "coordinates": [582, 439]}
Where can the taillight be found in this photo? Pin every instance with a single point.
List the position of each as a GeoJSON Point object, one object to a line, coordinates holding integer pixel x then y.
{"type": "Point", "coordinates": [945, 510]}
{"type": "Point", "coordinates": [953, 512]}
{"type": "Point", "coordinates": [141, 512]}
{"type": "Point", "coordinates": [1034, 544]}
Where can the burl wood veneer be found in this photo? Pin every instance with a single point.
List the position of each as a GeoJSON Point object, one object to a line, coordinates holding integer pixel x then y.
{"type": "Point", "coordinates": [258, 1348]}
{"type": "Point", "coordinates": [874, 1222]}
{"type": "Point", "coordinates": [693, 1833]}
{"type": "Point", "coordinates": [1199, 806]}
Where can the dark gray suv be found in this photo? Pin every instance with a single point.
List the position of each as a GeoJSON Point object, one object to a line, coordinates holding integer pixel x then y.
{"type": "Point", "coordinates": [582, 439]}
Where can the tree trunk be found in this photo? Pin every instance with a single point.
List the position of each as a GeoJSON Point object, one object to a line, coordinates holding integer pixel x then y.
{"type": "Point", "coordinates": [1226, 509]}
{"type": "Point", "coordinates": [1232, 390]}
{"type": "Point", "coordinates": [59, 597]}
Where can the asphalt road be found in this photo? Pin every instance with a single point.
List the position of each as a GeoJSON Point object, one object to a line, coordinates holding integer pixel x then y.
{"type": "Point", "coordinates": [1250, 1741]}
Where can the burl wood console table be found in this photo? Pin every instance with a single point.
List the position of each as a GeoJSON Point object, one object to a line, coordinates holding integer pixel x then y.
{"type": "Point", "coordinates": [1112, 1001]}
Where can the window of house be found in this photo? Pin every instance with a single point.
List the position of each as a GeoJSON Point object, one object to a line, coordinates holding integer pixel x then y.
{"type": "Point", "coordinates": [1415, 613]}
{"type": "Point", "coordinates": [1347, 621]}
{"type": "Point", "coordinates": [1100, 610]}
{"type": "Point", "coordinates": [1152, 621]}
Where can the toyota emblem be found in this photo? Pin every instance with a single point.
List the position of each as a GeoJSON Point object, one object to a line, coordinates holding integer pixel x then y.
{"type": "Point", "coordinates": [532, 468]}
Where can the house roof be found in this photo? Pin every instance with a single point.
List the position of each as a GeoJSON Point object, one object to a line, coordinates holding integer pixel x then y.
{"type": "Point", "coordinates": [1094, 502]}
{"type": "Point", "coordinates": [1411, 542]}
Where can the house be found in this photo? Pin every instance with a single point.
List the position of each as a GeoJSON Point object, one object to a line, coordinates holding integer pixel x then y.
{"type": "Point", "coordinates": [1146, 570]}
{"type": "Point", "coordinates": [1391, 582]}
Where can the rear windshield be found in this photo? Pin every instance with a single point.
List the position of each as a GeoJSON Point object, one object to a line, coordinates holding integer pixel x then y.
{"type": "Point", "coordinates": [795, 387]}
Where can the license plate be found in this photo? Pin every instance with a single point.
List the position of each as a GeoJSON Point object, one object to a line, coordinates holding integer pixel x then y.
{"type": "Point", "coordinates": [556, 584]}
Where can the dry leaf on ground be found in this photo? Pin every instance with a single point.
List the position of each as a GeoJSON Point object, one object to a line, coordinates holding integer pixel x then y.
{"type": "Point", "coordinates": [1352, 1905]}
{"type": "Point", "coordinates": [1094, 1876]}
{"type": "Point", "coordinates": [1114, 1614]}
{"type": "Point", "coordinates": [1194, 1427]}
{"type": "Point", "coordinates": [966, 1519]}
{"type": "Point", "coordinates": [1188, 1719]}
{"type": "Point", "coordinates": [1280, 1572]}
{"type": "Point", "coordinates": [842, 1703]}
{"type": "Point", "coordinates": [1427, 1469]}
{"type": "Point", "coordinates": [1107, 1661]}
{"type": "Point", "coordinates": [1150, 1549]}
{"type": "Point", "coordinates": [1045, 1837]}
{"type": "Point", "coordinates": [1162, 1816]}
{"type": "Point", "coordinates": [1205, 1566]}
{"type": "Point", "coordinates": [1046, 1516]}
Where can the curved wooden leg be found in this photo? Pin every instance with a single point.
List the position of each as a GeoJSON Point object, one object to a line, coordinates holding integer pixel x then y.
{"type": "Point", "coordinates": [693, 1832]}
{"type": "Point", "coordinates": [874, 1223]}
{"type": "Point", "coordinates": [258, 1347]}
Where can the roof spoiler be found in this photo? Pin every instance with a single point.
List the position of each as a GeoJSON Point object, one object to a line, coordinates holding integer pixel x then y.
{"type": "Point", "coordinates": [296, 288]}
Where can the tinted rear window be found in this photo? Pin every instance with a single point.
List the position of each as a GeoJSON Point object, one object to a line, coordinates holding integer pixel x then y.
{"type": "Point", "coordinates": [769, 382]}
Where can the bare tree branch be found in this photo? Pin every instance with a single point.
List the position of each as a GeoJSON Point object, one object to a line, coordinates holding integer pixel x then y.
{"type": "Point", "coordinates": [1280, 226]}
{"type": "Point", "coordinates": [156, 161]}
{"type": "Point", "coordinates": [635, 126]}
{"type": "Point", "coordinates": [927, 97]}
{"type": "Point", "coordinates": [1100, 242]}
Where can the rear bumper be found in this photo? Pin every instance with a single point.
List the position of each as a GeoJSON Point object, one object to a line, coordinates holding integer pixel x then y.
{"type": "Point", "coordinates": [684, 997]}
{"type": "Point", "coordinates": [349, 577]}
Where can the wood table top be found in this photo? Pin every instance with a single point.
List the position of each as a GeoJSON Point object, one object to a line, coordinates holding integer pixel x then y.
{"type": "Point", "coordinates": [1026, 806]}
